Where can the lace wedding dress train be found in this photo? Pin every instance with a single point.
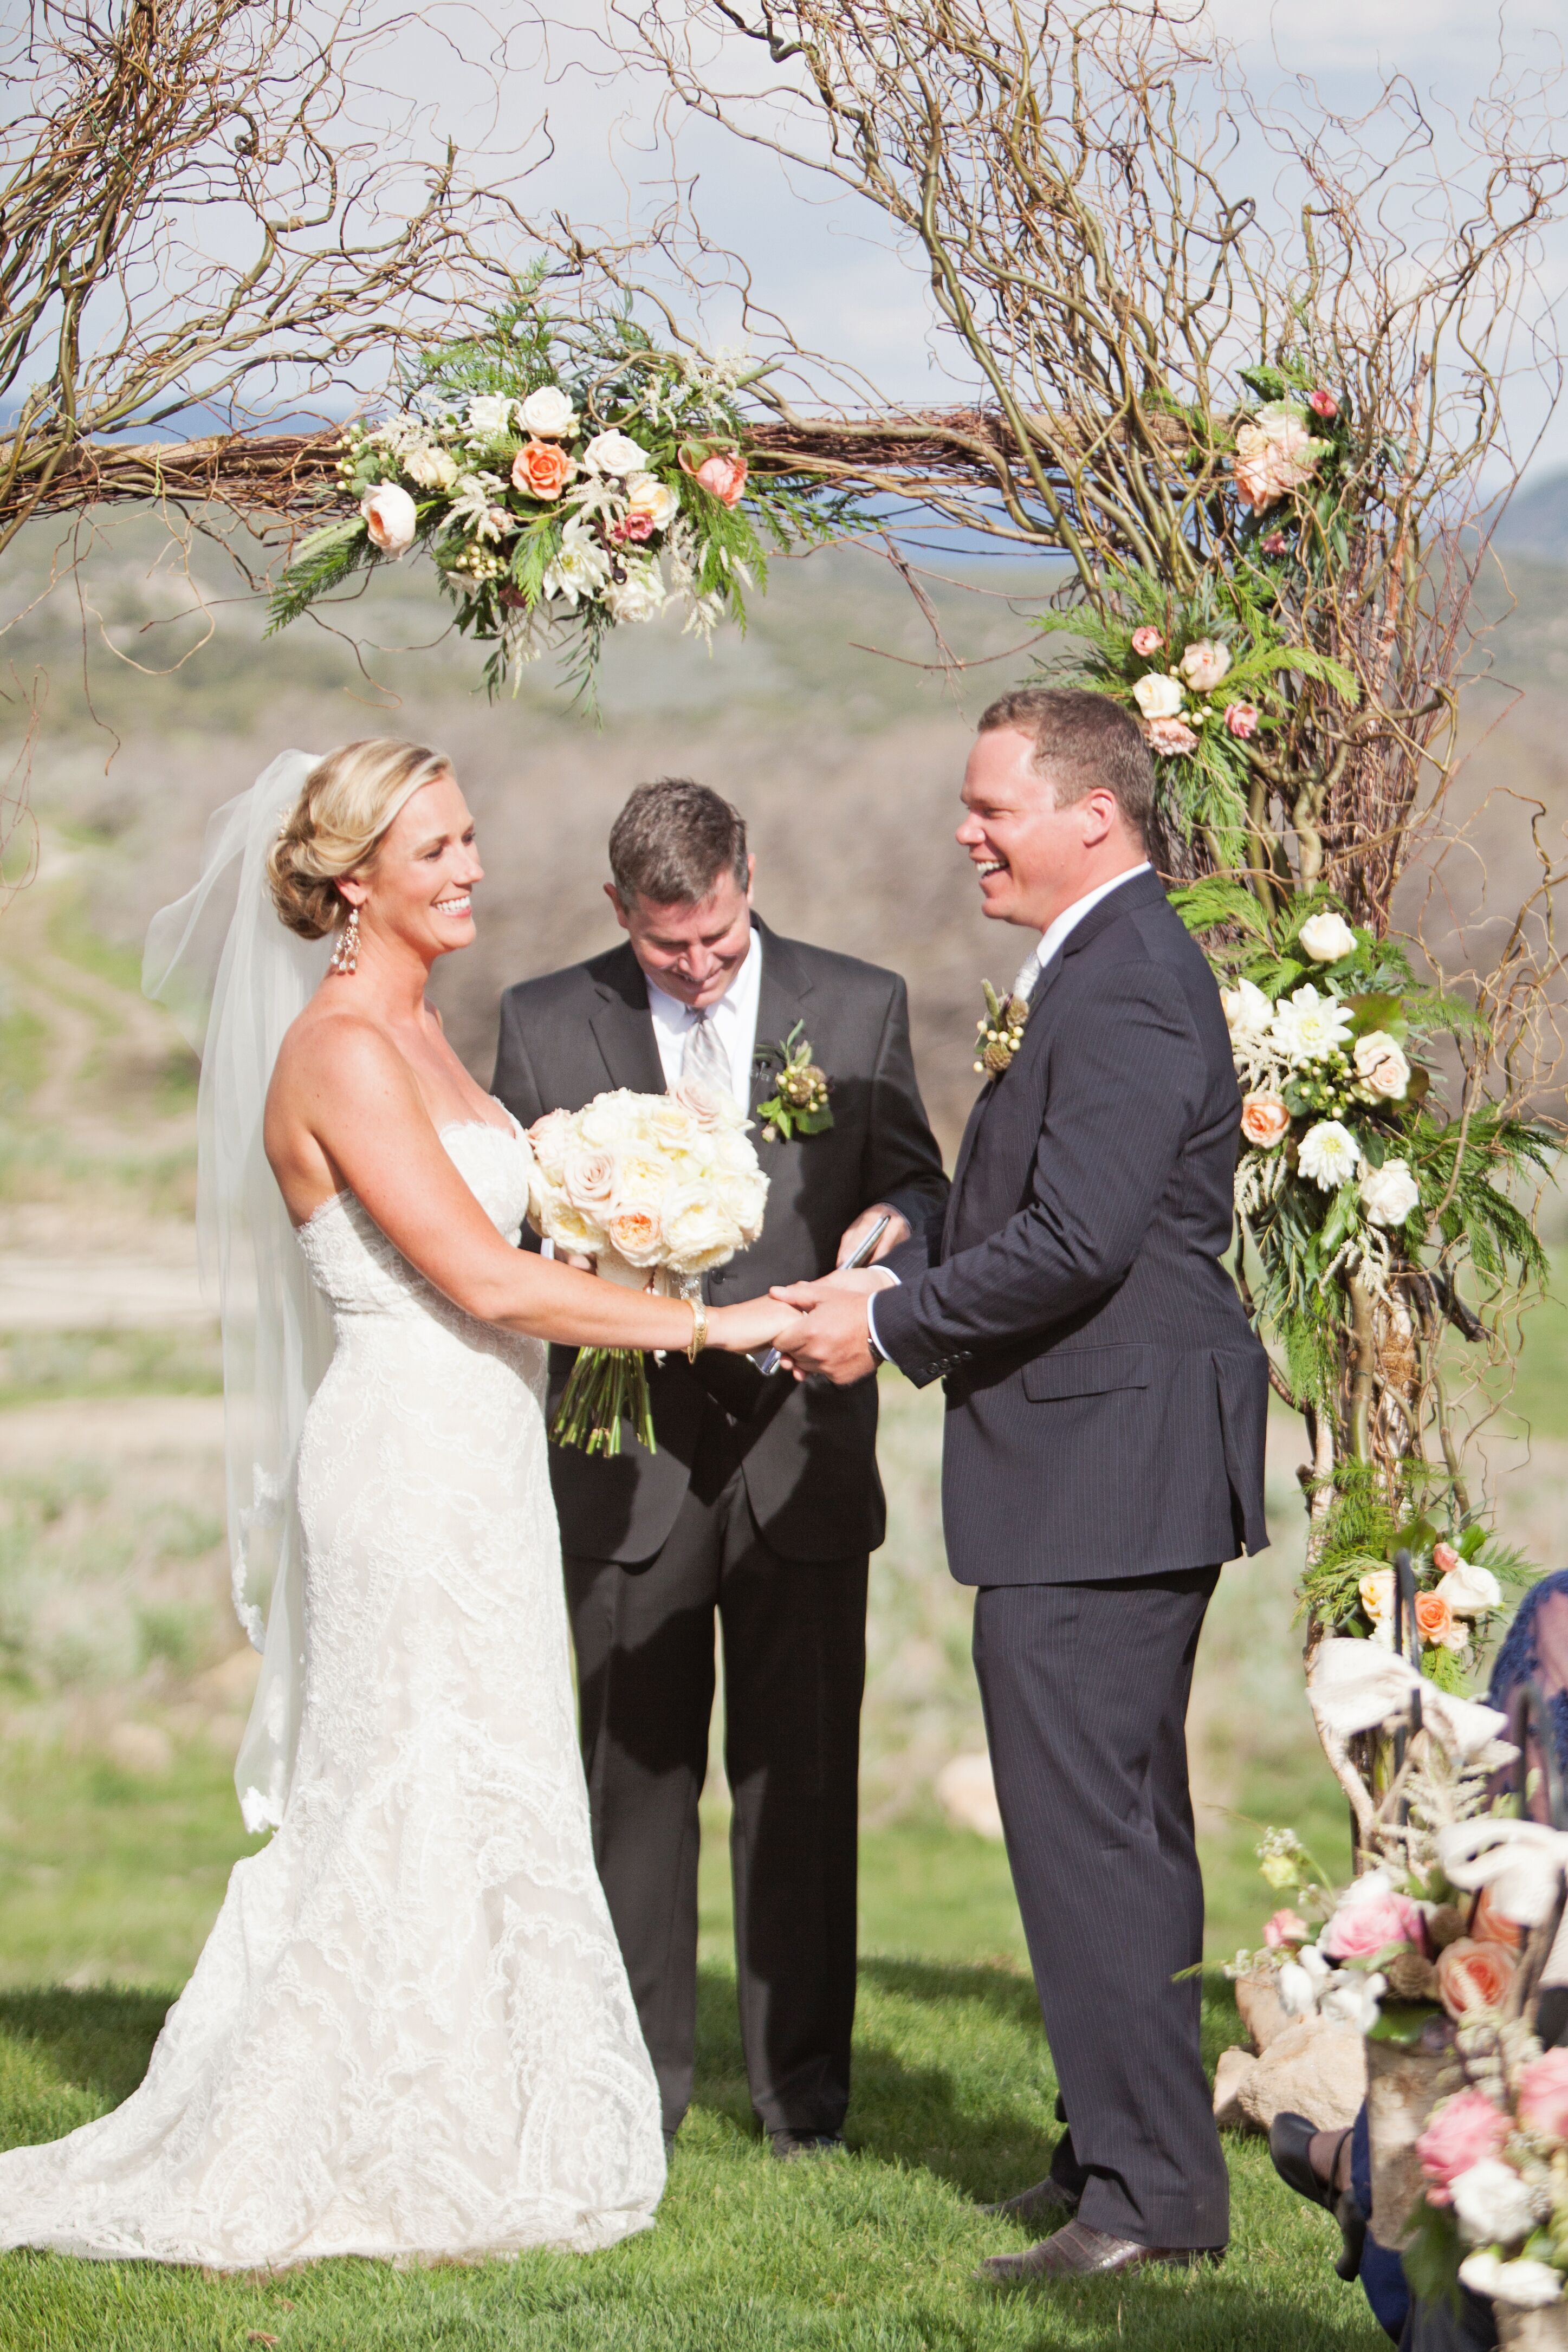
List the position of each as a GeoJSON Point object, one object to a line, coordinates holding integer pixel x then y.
{"type": "Point", "coordinates": [410, 2032]}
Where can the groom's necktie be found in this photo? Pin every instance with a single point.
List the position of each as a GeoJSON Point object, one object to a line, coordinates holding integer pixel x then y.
{"type": "Point", "coordinates": [702, 1057]}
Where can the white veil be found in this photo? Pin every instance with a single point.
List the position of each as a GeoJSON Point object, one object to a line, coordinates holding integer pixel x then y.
{"type": "Point", "coordinates": [235, 979]}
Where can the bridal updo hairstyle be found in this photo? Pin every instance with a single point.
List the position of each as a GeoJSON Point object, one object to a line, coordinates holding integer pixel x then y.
{"type": "Point", "coordinates": [336, 826]}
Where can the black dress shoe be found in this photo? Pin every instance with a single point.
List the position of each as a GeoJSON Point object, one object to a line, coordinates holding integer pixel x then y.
{"type": "Point", "coordinates": [1047, 2201]}
{"type": "Point", "coordinates": [1290, 2138]}
{"type": "Point", "coordinates": [787, 2145]}
{"type": "Point", "coordinates": [1078, 2251]}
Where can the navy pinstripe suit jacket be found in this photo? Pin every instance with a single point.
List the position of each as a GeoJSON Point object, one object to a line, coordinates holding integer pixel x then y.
{"type": "Point", "coordinates": [1105, 1398]}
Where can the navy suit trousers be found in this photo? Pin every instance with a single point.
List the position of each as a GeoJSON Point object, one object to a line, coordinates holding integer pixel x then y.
{"type": "Point", "coordinates": [1084, 1689]}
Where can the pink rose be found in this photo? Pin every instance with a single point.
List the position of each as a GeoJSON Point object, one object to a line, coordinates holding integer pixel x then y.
{"type": "Point", "coordinates": [1444, 1558]}
{"type": "Point", "coordinates": [1358, 1928]}
{"type": "Point", "coordinates": [635, 527]}
{"type": "Point", "coordinates": [1543, 2095]}
{"type": "Point", "coordinates": [723, 477]}
{"type": "Point", "coordinates": [1241, 719]}
{"type": "Point", "coordinates": [1322, 402]}
{"type": "Point", "coordinates": [1285, 1928]}
{"type": "Point", "coordinates": [1466, 2129]}
{"type": "Point", "coordinates": [700, 1101]}
{"type": "Point", "coordinates": [1274, 544]}
{"type": "Point", "coordinates": [1169, 737]}
{"type": "Point", "coordinates": [1146, 642]}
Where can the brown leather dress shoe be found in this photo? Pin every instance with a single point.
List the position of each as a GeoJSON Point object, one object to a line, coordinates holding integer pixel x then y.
{"type": "Point", "coordinates": [1047, 2202]}
{"type": "Point", "coordinates": [1078, 2252]}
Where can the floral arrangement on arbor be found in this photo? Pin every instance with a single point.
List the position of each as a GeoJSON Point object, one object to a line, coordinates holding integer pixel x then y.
{"type": "Point", "coordinates": [565, 478]}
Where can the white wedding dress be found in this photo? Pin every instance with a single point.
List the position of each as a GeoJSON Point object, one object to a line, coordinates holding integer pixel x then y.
{"type": "Point", "coordinates": [410, 2032]}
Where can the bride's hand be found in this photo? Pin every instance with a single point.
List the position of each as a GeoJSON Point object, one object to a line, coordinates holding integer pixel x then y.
{"type": "Point", "coordinates": [752, 1323]}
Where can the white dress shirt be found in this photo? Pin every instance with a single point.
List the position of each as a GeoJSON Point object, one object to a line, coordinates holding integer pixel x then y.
{"type": "Point", "coordinates": [1050, 939]}
{"type": "Point", "coordinates": [734, 1020]}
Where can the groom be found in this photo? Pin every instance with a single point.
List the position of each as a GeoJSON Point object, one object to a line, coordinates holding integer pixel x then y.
{"type": "Point", "coordinates": [1103, 1451]}
{"type": "Point", "coordinates": [763, 1501]}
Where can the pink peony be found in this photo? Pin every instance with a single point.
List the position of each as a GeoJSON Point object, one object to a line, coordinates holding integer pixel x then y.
{"type": "Point", "coordinates": [1273, 457]}
{"type": "Point", "coordinates": [722, 476]}
{"type": "Point", "coordinates": [1322, 402]}
{"type": "Point", "coordinates": [1169, 737]}
{"type": "Point", "coordinates": [1146, 642]}
{"type": "Point", "coordinates": [1241, 719]}
{"type": "Point", "coordinates": [1543, 2095]}
{"type": "Point", "coordinates": [1380, 1918]}
{"type": "Point", "coordinates": [1465, 2130]}
{"type": "Point", "coordinates": [1274, 544]}
{"type": "Point", "coordinates": [1285, 1928]}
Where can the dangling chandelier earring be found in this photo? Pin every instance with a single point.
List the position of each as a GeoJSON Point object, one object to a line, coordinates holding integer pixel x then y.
{"type": "Point", "coordinates": [345, 955]}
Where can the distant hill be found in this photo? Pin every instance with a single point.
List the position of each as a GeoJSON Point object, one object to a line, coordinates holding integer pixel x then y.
{"type": "Point", "coordinates": [1536, 521]}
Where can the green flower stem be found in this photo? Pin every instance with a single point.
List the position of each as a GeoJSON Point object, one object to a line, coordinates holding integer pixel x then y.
{"type": "Point", "coordinates": [605, 1386]}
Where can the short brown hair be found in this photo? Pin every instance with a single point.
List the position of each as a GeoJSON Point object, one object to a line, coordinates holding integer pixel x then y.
{"type": "Point", "coordinates": [1088, 742]}
{"type": "Point", "coordinates": [672, 841]}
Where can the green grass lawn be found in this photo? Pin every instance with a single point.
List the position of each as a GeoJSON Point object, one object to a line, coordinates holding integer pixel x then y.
{"type": "Point", "coordinates": [105, 1877]}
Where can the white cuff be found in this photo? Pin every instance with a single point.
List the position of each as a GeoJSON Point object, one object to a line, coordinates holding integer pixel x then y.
{"type": "Point", "coordinates": [892, 1284]}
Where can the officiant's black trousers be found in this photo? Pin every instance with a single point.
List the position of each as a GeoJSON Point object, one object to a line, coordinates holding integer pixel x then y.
{"type": "Point", "coordinates": [795, 1668]}
{"type": "Point", "coordinates": [1085, 1688]}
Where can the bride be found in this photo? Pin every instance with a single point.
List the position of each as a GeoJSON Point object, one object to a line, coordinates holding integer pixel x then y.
{"type": "Point", "coordinates": [410, 2032]}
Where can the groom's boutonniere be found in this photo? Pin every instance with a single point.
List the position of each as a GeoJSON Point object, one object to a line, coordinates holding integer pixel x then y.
{"type": "Point", "coordinates": [798, 1104]}
{"type": "Point", "coordinates": [1000, 1031]}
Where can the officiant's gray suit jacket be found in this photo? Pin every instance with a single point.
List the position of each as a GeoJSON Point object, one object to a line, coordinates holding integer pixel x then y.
{"type": "Point", "coordinates": [808, 1448]}
{"type": "Point", "coordinates": [1105, 1397]}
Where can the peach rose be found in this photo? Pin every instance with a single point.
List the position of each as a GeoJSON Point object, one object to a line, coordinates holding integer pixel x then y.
{"type": "Point", "coordinates": [1146, 641]}
{"type": "Point", "coordinates": [634, 1234]}
{"type": "Point", "coordinates": [1241, 720]}
{"type": "Point", "coordinates": [1285, 1928]}
{"type": "Point", "coordinates": [1273, 457]}
{"type": "Point", "coordinates": [542, 470]}
{"type": "Point", "coordinates": [1543, 2090]}
{"type": "Point", "coordinates": [1169, 737]}
{"type": "Point", "coordinates": [1472, 1974]}
{"type": "Point", "coordinates": [723, 477]}
{"type": "Point", "coordinates": [1434, 1617]}
{"type": "Point", "coordinates": [1489, 1926]}
{"type": "Point", "coordinates": [1264, 1121]}
{"type": "Point", "coordinates": [1465, 2130]}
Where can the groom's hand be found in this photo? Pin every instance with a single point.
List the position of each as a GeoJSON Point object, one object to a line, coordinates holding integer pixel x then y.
{"type": "Point", "coordinates": [831, 1335]}
{"type": "Point", "coordinates": [853, 1236]}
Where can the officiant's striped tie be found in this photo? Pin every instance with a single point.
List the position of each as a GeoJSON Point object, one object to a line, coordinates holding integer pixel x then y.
{"type": "Point", "coordinates": [704, 1058]}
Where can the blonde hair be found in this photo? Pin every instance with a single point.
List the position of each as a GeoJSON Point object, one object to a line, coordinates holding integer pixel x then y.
{"type": "Point", "coordinates": [338, 822]}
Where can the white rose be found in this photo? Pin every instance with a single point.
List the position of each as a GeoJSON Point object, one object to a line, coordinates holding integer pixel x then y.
{"type": "Point", "coordinates": [1492, 2203]}
{"type": "Point", "coordinates": [1205, 664]}
{"type": "Point", "coordinates": [646, 495]}
{"type": "Point", "coordinates": [1329, 1155]}
{"type": "Point", "coordinates": [1327, 937]}
{"type": "Point", "coordinates": [638, 597]}
{"type": "Point", "coordinates": [549, 413]}
{"type": "Point", "coordinates": [745, 1197]}
{"type": "Point", "coordinates": [609, 1121]}
{"type": "Point", "coordinates": [589, 1179]}
{"type": "Point", "coordinates": [391, 518]}
{"type": "Point", "coordinates": [548, 1139]}
{"type": "Point", "coordinates": [671, 1126]}
{"type": "Point", "coordinates": [1389, 1193]}
{"type": "Point", "coordinates": [1528, 2285]}
{"type": "Point", "coordinates": [429, 468]}
{"type": "Point", "coordinates": [1308, 1028]}
{"type": "Point", "coordinates": [613, 453]}
{"type": "Point", "coordinates": [1157, 695]}
{"type": "Point", "coordinates": [1376, 1590]}
{"type": "Point", "coordinates": [698, 1230]}
{"type": "Point", "coordinates": [1470, 1589]}
{"type": "Point", "coordinates": [1248, 1013]}
{"type": "Point", "coordinates": [641, 1180]}
{"type": "Point", "coordinates": [489, 417]}
{"type": "Point", "coordinates": [581, 569]}
{"type": "Point", "coordinates": [571, 1229]}
{"type": "Point", "coordinates": [1380, 1066]}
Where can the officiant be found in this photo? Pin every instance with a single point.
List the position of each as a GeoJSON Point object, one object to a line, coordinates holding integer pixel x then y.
{"type": "Point", "coordinates": [762, 1504]}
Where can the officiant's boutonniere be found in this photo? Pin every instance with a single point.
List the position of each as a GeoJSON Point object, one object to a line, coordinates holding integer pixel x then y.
{"type": "Point", "coordinates": [1000, 1031]}
{"type": "Point", "coordinates": [798, 1104]}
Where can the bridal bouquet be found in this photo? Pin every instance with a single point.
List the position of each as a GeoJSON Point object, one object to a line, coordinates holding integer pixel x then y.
{"type": "Point", "coordinates": [657, 1189]}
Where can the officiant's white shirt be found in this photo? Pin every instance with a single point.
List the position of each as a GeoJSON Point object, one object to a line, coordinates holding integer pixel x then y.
{"type": "Point", "coordinates": [734, 1020]}
{"type": "Point", "coordinates": [1049, 941]}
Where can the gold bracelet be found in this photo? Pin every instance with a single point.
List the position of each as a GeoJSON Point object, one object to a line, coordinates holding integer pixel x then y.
{"type": "Point", "coordinates": [698, 1306]}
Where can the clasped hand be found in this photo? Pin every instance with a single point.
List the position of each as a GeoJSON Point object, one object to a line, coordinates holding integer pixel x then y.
{"type": "Point", "coordinates": [830, 1334]}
